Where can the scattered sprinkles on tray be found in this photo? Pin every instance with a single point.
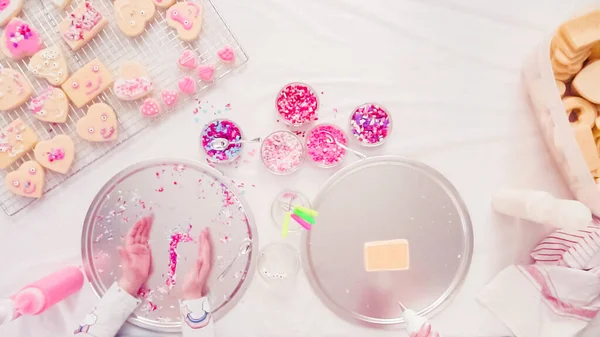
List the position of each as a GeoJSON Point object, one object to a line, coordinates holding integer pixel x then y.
{"type": "Point", "coordinates": [222, 128]}
{"type": "Point", "coordinates": [370, 124]}
{"type": "Point", "coordinates": [320, 147]}
{"type": "Point", "coordinates": [297, 104]}
{"type": "Point", "coordinates": [282, 152]}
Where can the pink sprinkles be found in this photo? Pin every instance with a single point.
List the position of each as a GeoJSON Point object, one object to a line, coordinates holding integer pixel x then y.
{"type": "Point", "coordinates": [297, 104]}
{"type": "Point", "coordinates": [173, 256]}
{"type": "Point", "coordinates": [370, 124]}
{"type": "Point", "coordinates": [282, 152]}
{"type": "Point", "coordinates": [320, 150]}
{"type": "Point", "coordinates": [222, 128]}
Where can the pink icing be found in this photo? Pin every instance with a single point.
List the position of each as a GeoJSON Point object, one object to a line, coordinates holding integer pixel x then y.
{"type": "Point", "coordinates": [4, 4]}
{"type": "Point", "coordinates": [134, 88]}
{"type": "Point", "coordinates": [37, 103]}
{"type": "Point", "coordinates": [187, 85]}
{"type": "Point", "coordinates": [169, 97]}
{"type": "Point", "coordinates": [206, 72]}
{"type": "Point", "coordinates": [188, 59]}
{"type": "Point", "coordinates": [82, 23]}
{"type": "Point", "coordinates": [185, 22]}
{"type": "Point", "coordinates": [150, 107]}
{"type": "Point", "coordinates": [21, 38]}
{"type": "Point", "coordinates": [226, 54]}
{"type": "Point", "coordinates": [56, 154]}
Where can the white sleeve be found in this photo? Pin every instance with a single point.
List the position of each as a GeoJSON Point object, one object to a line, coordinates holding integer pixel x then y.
{"type": "Point", "coordinates": [110, 314]}
{"type": "Point", "coordinates": [196, 318]}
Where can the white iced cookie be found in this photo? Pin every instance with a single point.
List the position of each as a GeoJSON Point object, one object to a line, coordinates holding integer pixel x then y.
{"type": "Point", "coordinates": [133, 82]}
{"type": "Point", "coordinates": [50, 106]}
{"type": "Point", "coordinates": [14, 89]}
{"type": "Point", "coordinates": [51, 65]}
{"type": "Point", "coordinates": [87, 83]}
{"type": "Point", "coordinates": [82, 25]}
{"type": "Point", "coordinates": [56, 154]}
{"type": "Point", "coordinates": [60, 3]}
{"type": "Point", "coordinates": [9, 9]}
{"type": "Point", "coordinates": [186, 18]}
{"type": "Point", "coordinates": [133, 15]}
{"type": "Point", "coordinates": [28, 180]}
{"type": "Point", "coordinates": [15, 140]}
{"type": "Point", "coordinates": [99, 125]}
{"type": "Point", "coordinates": [19, 39]}
{"type": "Point", "coordinates": [163, 3]}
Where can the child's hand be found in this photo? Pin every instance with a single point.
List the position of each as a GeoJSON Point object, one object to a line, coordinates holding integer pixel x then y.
{"type": "Point", "coordinates": [136, 257]}
{"type": "Point", "coordinates": [194, 284]}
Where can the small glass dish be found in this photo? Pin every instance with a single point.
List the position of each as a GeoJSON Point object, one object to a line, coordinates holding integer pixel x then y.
{"type": "Point", "coordinates": [370, 124]}
{"type": "Point", "coordinates": [321, 149]}
{"type": "Point", "coordinates": [221, 128]}
{"type": "Point", "coordinates": [297, 104]}
{"type": "Point", "coordinates": [282, 152]}
{"type": "Point", "coordinates": [278, 263]}
{"type": "Point", "coordinates": [285, 202]}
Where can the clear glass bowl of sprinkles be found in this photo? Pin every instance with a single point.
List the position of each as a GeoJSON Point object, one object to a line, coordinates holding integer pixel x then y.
{"type": "Point", "coordinates": [370, 124]}
{"type": "Point", "coordinates": [282, 152]}
{"type": "Point", "coordinates": [321, 149]}
{"type": "Point", "coordinates": [297, 104]}
{"type": "Point", "coordinates": [221, 128]}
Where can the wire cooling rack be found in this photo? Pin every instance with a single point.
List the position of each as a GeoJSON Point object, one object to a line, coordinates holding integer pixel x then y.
{"type": "Point", "coordinates": [157, 49]}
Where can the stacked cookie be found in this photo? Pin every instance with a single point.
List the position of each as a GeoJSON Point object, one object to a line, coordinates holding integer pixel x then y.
{"type": "Point", "coordinates": [575, 58]}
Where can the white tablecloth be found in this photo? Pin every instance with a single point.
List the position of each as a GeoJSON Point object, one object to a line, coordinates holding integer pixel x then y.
{"type": "Point", "coordinates": [449, 70]}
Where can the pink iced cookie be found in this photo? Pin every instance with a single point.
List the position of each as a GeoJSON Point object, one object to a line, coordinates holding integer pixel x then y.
{"type": "Point", "coordinates": [226, 54]}
{"type": "Point", "coordinates": [170, 97]}
{"type": "Point", "coordinates": [206, 72]}
{"type": "Point", "coordinates": [187, 60]}
{"type": "Point", "coordinates": [150, 107]}
{"type": "Point", "coordinates": [20, 40]}
{"type": "Point", "coordinates": [187, 85]}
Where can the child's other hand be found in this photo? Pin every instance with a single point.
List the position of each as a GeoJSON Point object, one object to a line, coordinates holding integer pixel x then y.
{"type": "Point", "coordinates": [136, 257]}
{"type": "Point", "coordinates": [194, 284]}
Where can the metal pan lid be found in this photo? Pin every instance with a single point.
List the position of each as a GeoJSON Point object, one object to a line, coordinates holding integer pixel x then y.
{"type": "Point", "coordinates": [387, 198]}
{"type": "Point", "coordinates": [184, 196]}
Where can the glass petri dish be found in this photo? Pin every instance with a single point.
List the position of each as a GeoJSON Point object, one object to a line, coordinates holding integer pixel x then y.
{"type": "Point", "coordinates": [370, 124]}
{"type": "Point", "coordinates": [282, 152]}
{"type": "Point", "coordinates": [297, 104]}
{"type": "Point", "coordinates": [322, 152]}
{"type": "Point", "coordinates": [278, 263]}
{"type": "Point", "coordinates": [285, 202]}
{"type": "Point", "coordinates": [221, 128]}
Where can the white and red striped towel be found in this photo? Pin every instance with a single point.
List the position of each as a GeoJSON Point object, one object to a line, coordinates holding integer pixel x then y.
{"type": "Point", "coordinates": [578, 249]}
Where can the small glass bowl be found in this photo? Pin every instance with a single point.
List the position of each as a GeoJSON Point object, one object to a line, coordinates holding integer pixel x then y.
{"type": "Point", "coordinates": [285, 202]}
{"type": "Point", "coordinates": [354, 125]}
{"type": "Point", "coordinates": [278, 263]}
{"type": "Point", "coordinates": [307, 119]}
{"type": "Point", "coordinates": [213, 130]}
{"type": "Point", "coordinates": [274, 141]}
{"type": "Point", "coordinates": [314, 151]}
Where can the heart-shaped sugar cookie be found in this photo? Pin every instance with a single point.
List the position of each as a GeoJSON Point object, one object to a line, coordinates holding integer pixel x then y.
{"type": "Point", "coordinates": [50, 64]}
{"type": "Point", "coordinates": [27, 180]}
{"type": "Point", "coordinates": [133, 82]}
{"type": "Point", "coordinates": [187, 60]}
{"type": "Point", "coordinates": [99, 124]}
{"type": "Point", "coordinates": [226, 54]}
{"type": "Point", "coordinates": [170, 97]}
{"type": "Point", "coordinates": [206, 72]}
{"type": "Point", "coordinates": [51, 106]}
{"type": "Point", "coordinates": [150, 107]}
{"type": "Point", "coordinates": [133, 15]}
{"type": "Point", "coordinates": [56, 154]}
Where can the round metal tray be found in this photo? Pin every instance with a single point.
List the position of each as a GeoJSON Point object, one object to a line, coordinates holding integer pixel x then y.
{"type": "Point", "coordinates": [184, 196]}
{"type": "Point", "coordinates": [386, 198]}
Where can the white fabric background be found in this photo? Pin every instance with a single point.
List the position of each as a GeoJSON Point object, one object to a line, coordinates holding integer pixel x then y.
{"type": "Point", "coordinates": [449, 70]}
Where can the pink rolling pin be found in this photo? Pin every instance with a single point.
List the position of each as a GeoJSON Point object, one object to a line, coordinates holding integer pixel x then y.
{"type": "Point", "coordinates": [417, 326]}
{"type": "Point", "coordinates": [46, 292]}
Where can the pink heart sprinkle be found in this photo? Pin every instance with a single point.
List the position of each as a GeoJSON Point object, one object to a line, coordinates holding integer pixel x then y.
{"type": "Point", "coordinates": [206, 72]}
{"type": "Point", "coordinates": [187, 59]}
{"type": "Point", "coordinates": [187, 85]}
{"type": "Point", "coordinates": [226, 54]}
{"type": "Point", "coordinates": [169, 97]}
{"type": "Point", "coordinates": [150, 107]}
